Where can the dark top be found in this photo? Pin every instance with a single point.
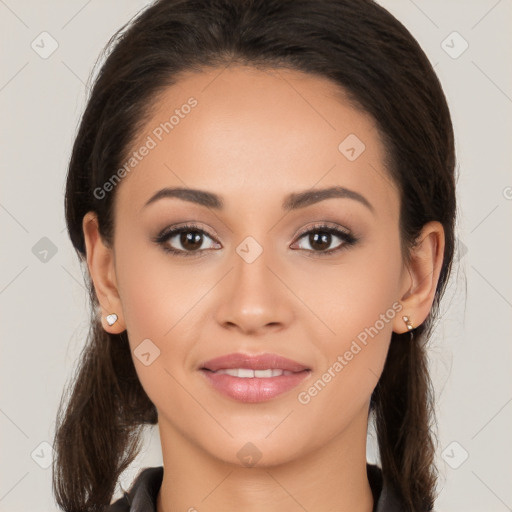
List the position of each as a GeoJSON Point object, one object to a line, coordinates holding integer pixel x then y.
{"type": "Point", "coordinates": [143, 493]}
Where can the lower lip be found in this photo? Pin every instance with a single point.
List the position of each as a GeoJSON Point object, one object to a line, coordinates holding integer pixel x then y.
{"type": "Point", "coordinates": [254, 389]}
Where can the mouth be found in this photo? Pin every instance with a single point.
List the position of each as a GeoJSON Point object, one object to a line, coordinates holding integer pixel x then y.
{"type": "Point", "coordinates": [247, 378]}
{"type": "Point", "coordinates": [248, 373]}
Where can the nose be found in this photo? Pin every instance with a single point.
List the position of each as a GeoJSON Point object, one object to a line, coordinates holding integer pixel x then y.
{"type": "Point", "coordinates": [254, 299]}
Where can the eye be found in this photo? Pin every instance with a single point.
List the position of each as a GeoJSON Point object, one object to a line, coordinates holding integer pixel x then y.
{"type": "Point", "coordinates": [189, 240]}
{"type": "Point", "coordinates": [319, 238]}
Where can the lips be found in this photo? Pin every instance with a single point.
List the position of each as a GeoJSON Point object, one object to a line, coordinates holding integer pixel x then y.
{"type": "Point", "coordinates": [247, 378]}
{"type": "Point", "coordinates": [257, 362]}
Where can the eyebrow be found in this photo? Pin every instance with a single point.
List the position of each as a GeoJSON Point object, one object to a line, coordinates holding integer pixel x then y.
{"type": "Point", "coordinates": [293, 201]}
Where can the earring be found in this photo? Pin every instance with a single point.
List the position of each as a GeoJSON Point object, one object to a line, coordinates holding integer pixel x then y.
{"type": "Point", "coordinates": [408, 323]}
{"type": "Point", "coordinates": [111, 319]}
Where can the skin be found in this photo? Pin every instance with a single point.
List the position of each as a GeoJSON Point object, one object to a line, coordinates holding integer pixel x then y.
{"type": "Point", "coordinates": [255, 137]}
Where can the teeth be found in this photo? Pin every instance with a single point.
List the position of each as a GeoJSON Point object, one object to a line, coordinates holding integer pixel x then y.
{"type": "Point", "coordinates": [267, 373]}
{"type": "Point", "coordinates": [247, 373]}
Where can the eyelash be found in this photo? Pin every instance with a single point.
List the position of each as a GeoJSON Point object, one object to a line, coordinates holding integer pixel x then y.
{"type": "Point", "coordinates": [165, 235]}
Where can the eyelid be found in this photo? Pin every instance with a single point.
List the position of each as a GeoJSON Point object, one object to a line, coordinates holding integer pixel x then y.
{"type": "Point", "coordinates": [323, 224]}
{"type": "Point", "coordinates": [348, 239]}
{"type": "Point", "coordinates": [169, 232]}
{"type": "Point", "coordinates": [191, 225]}
{"type": "Point", "coordinates": [333, 228]}
{"type": "Point", "coordinates": [303, 231]}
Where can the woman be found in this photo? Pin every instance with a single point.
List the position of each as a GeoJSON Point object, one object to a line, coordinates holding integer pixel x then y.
{"type": "Point", "coordinates": [263, 192]}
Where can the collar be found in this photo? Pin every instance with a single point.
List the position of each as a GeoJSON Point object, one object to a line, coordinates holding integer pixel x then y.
{"type": "Point", "coordinates": [143, 493]}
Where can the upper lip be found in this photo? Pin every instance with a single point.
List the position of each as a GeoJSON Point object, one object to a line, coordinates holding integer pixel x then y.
{"type": "Point", "coordinates": [253, 362]}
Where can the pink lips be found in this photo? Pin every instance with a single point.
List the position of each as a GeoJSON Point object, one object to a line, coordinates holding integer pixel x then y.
{"type": "Point", "coordinates": [254, 388]}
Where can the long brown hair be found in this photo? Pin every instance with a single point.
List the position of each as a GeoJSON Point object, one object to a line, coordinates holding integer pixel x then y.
{"type": "Point", "coordinates": [359, 46]}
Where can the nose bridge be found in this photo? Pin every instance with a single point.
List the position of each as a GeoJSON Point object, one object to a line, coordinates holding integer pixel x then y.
{"type": "Point", "coordinates": [251, 265]}
{"type": "Point", "coordinates": [254, 298]}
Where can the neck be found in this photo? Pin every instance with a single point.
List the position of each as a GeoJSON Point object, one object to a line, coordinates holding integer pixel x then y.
{"type": "Point", "coordinates": [331, 478]}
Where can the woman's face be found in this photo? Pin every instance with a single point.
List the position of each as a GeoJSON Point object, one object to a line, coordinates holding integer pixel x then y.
{"type": "Point", "coordinates": [259, 272]}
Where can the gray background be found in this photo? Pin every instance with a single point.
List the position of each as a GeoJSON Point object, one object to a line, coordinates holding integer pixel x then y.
{"type": "Point", "coordinates": [42, 295]}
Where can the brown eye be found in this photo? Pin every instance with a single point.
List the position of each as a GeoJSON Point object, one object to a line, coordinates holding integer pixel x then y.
{"type": "Point", "coordinates": [191, 240]}
{"type": "Point", "coordinates": [320, 239]}
{"type": "Point", "coordinates": [184, 241]}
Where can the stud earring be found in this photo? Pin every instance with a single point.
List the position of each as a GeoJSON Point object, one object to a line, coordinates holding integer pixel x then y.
{"type": "Point", "coordinates": [408, 323]}
{"type": "Point", "coordinates": [111, 319]}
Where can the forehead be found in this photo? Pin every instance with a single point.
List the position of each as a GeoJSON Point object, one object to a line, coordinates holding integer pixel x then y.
{"type": "Point", "coordinates": [248, 134]}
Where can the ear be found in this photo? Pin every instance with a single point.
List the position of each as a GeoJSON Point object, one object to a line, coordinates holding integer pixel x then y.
{"type": "Point", "coordinates": [421, 276]}
{"type": "Point", "coordinates": [100, 261]}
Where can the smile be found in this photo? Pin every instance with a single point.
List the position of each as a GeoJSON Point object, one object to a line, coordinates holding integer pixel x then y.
{"type": "Point", "coordinates": [253, 377]}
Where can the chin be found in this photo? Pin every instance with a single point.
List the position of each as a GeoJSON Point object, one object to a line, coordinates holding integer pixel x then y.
{"type": "Point", "coordinates": [257, 449]}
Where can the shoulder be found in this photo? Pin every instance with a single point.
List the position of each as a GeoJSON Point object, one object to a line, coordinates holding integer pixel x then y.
{"type": "Point", "coordinates": [143, 493]}
{"type": "Point", "coordinates": [385, 498]}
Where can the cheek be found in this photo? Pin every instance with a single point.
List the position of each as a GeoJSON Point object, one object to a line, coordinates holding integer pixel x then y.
{"type": "Point", "coordinates": [357, 303]}
{"type": "Point", "coordinates": [352, 296]}
{"type": "Point", "coordinates": [161, 301]}
{"type": "Point", "coordinates": [158, 301]}
{"type": "Point", "coordinates": [156, 293]}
